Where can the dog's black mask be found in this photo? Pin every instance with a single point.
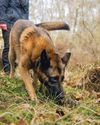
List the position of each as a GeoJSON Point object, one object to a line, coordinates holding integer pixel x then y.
{"type": "Point", "coordinates": [51, 74]}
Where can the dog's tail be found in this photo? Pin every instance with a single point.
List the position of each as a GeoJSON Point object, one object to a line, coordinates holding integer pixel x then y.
{"type": "Point", "coordinates": [54, 25]}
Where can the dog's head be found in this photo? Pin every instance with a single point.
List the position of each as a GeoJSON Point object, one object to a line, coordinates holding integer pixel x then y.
{"type": "Point", "coordinates": [51, 72]}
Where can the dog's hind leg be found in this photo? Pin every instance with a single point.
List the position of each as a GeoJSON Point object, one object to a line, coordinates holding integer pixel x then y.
{"type": "Point", "coordinates": [26, 77]}
{"type": "Point", "coordinates": [12, 57]}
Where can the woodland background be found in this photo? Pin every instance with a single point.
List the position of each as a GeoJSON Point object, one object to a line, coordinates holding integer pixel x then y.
{"type": "Point", "coordinates": [83, 17]}
{"type": "Point", "coordinates": [82, 76]}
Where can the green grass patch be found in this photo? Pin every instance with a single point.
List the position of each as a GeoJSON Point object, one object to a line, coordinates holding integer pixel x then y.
{"type": "Point", "coordinates": [15, 106]}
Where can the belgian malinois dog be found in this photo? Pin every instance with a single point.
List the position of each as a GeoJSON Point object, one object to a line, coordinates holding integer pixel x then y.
{"type": "Point", "coordinates": [31, 47]}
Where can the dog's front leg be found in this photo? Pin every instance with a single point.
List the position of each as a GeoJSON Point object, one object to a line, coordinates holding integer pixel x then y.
{"type": "Point", "coordinates": [26, 77]}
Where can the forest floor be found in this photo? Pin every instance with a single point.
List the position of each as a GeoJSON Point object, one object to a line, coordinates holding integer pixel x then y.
{"type": "Point", "coordinates": [82, 85]}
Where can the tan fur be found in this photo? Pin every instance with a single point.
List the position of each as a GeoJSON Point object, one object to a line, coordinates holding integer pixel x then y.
{"type": "Point", "coordinates": [26, 44]}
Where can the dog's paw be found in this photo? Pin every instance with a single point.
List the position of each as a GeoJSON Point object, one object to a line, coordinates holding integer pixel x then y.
{"type": "Point", "coordinates": [34, 99]}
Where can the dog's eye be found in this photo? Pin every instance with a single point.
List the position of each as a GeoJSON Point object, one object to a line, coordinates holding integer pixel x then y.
{"type": "Point", "coordinates": [54, 79]}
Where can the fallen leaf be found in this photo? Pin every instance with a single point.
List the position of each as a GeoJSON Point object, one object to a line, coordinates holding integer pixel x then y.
{"type": "Point", "coordinates": [21, 122]}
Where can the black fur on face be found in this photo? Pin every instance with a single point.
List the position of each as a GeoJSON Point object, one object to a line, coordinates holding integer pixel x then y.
{"type": "Point", "coordinates": [51, 74]}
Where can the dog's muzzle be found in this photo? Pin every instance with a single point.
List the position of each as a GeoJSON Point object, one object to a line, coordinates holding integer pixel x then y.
{"type": "Point", "coordinates": [55, 90]}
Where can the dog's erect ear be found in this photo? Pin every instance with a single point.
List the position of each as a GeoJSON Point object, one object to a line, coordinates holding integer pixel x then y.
{"type": "Point", "coordinates": [66, 58]}
{"type": "Point", "coordinates": [44, 59]}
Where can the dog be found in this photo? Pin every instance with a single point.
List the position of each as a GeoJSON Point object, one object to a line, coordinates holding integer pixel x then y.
{"type": "Point", "coordinates": [31, 47]}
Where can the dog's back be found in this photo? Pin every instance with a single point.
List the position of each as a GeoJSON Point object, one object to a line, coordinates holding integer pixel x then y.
{"type": "Point", "coordinates": [25, 34]}
{"type": "Point", "coordinates": [18, 28]}
{"type": "Point", "coordinates": [33, 48]}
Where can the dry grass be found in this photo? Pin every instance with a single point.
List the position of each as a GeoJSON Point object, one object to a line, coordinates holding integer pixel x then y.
{"type": "Point", "coordinates": [17, 109]}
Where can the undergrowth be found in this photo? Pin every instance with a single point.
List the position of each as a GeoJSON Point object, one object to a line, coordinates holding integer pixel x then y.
{"type": "Point", "coordinates": [17, 109]}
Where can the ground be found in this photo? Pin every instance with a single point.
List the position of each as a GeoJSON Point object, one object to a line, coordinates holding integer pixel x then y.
{"type": "Point", "coordinates": [17, 109]}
